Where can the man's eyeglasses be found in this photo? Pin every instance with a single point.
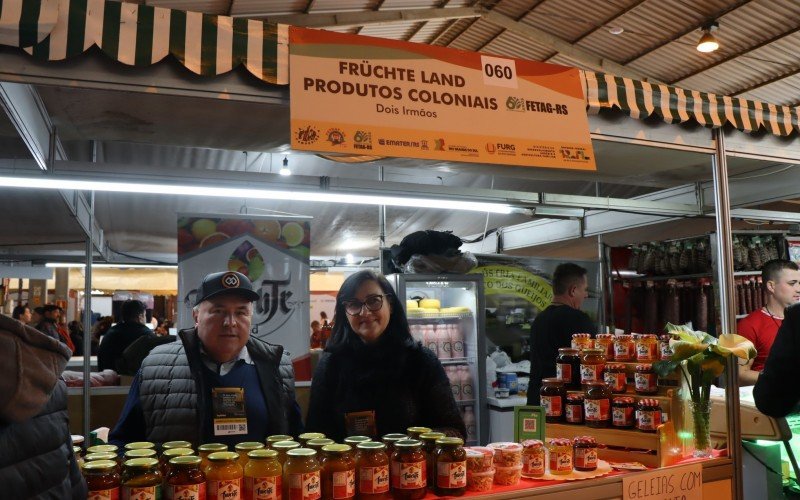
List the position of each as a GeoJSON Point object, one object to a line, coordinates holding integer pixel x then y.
{"type": "Point", "coordinates": [373, 303]}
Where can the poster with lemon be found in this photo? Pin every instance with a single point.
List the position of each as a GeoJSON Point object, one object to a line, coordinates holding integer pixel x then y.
{"type": "Point", "coordinates": [273, 252]}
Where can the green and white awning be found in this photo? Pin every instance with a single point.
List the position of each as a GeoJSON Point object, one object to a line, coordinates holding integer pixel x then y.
{"type": "Point", "coordinates": [675, 105]}
{"type": "Point", "coordinates": [26, 22]}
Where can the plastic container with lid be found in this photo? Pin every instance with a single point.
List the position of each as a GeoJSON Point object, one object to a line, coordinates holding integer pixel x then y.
{"type": "Point", "coordinates": [141, 478]}
{"type": "Point", "coordinates": [338, 472]}
{"type": "Point", "coordinates": [507, 476]}
{"type": "Point", "coordinates": [553, 396]}
{"type": "Point", "coordinates": [275, 438]}
{"type": "Point", "coordinates": [354, 440]}
{"type": "Point", "coordinates": [302, 478]}
{"type": "Point", "coordinates": [175, 444]}
{"type": "Point", "coordinates": [648, 415]}
{"type": "Point", "coordinates": [533, 458]}
{"type": "Point", "coordinates": [560, 456]}
{"type": "Point", "coordinates": [664, 349]}
{"type": "Point", "coordinates": [616, 378]}
{"type": "Point", "coordinates": [204, 450]}
{"type": "Point", "coordinates": [283, 448]}
{"type": "Point", "coordinates": [479, 459]}
{"type": "Point", "coordinates": [171, 453]}
{"type": "Point", "coordinates": [624, 348]}
{"type": "Point", "coordinates": [593, 363]}
{"type": "Point", "coordinates": [584, 453]}
{"type": "Point", "coordinates": [645, 379]}
{"type": "Point", "coordinates": [597, 405]}
{"type": "Point", "coordinates": [451, 467]}
{"type": "Point", "coordinates": [568, 367]}
{"type": "Point", "coordinates": [408, 470]}
{"type": "Point", "coordinates": [646, 348]}
{"type": "Point", "coordinates": [506, 454]}
{"type": "Point", "coordinates": [480, 481]}
{"type": "Point", "coordinates": [77, 440]}
{"type": "Point", "coordinates": [304, 438]}
{"type": "Point", "coordinates": [318, 444]}
{"type": "Point", "coordinates": [185, 480]}
{"type": "Point", "coordinates": [244, 448]}
{"type": "Point", "coordinates": [429, 446]}
{"type": "Point", "coordinates": [263, 475]}
{"type": "Point", "coordinates": [416, 432]}
{"type": "Point", "coordinates": [372, 470]}
{"type": "Point", "coordinates": [605, 341]}
{"type": "Point", "coordinates": [102, 478]}
{"type": "Point", "coordinates": [582, 341]}
{"type": "Point", "coordinates": [224, 474]}
{"type": "Point", "coordinates": [622, 412]}
{"type": "Point", "coordinates": [573, 410]}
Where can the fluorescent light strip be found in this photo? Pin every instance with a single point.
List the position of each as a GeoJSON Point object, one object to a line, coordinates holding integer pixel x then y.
{"type": "Point", "coordinates": [264, 194]}
{"type": "Point", "coordinates": [111, 266]}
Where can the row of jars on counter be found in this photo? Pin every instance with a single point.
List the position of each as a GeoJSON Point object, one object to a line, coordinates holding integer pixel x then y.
{"type": "Point", "coordinates": [636, 347]}
{"type": "Point", "coordinates": [577, 369]}
{"type": "Point", "coordinates": [401, 466]}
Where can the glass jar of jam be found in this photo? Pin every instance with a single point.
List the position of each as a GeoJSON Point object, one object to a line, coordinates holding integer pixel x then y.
{"type": "Point", "coordinates": [204, 450]}
{"type": "Point", "coordinates": [624, 348]}
{"type": "Point", "coordinates": [408, 470]}
{"type": "Point", "coordinates": [585, 453]}
{"type": "Point", "coordinates": [582, 341]}
{"type": "Point", "coordinates": [185, 480]}
{"type": "Point", "coordinates": [263, 475]}
{"type": "Point", "coordinates": [140, 445]}
{"type": "Point", "coordinates": [171, 453]}
{"type": "Point", "coordinates": [616, 378]}
{"type": "Point", "coordinates": [646, 348]}
{"type": "Point", "coordinates": [553, 395]}
{"type": "Point", "coordinates": [318, 444]}
{"type": "Point", "coordinates": [102, 478]}
{"type": "Point", "coordinates": [622, 412]}
{"type": "Point", "coordinates": [78, 452]}
{"type": "Point", "coordinates": [574, 409]}
{"type": "Point", "coordinates": [648, 415]}
{"type": "Point", "coordinates": [302, 478]}
{"type": "Point", "coordinates": [593, 363]}
{"type": "Point", "coordinates": [560, 451]}
{"type": "Point", "coordinates": [276, 438]}
{"type": "Point", "coordinates": [389, 440]}
{"type": "Point", "coordinates": [224, 475]}
{"type": "Point", "coordinates": [245, 447]}
{"type": "Point", "coordinates": [141, 478]}
{"type": "Point", "coordinates": [175, 444]}
{"type": "Point", "coordinates": [664, 349]}
{"type": "Point", "coordinates": [429, 446]}
{"type": "Point", "coordinates": [308, 436]}
{"type": "Point", "coordinates": [372, 466]}
{"type": "Point", "coordinates": [416, 432]}
{"type": "Point", "coordinates": [103, 448]}
{"type": "Point", "coordinates": [451, 467]}
{"type": "Point", "coordinates": [597, 405]}
{"type": "Point", "coordinates": [283, 448]}
{"type": "Point", "coordinates": [568, 367]}
{"type": "Point", "coordinates": [338, 472]}
{"type": "Point", "coordinates": [354, 440]}
{"type": "Point", "coordinates": [646, 380]}
{"type": "Point", "coordinates": [533, 458]}
{"type": "Point", "coordinates": [140, 453]}
{"type": "Point", "coordinates": [605, 341]}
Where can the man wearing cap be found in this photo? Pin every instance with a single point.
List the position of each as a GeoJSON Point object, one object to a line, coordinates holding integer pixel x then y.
{"type": "Point", "coordinates": [216, 383]}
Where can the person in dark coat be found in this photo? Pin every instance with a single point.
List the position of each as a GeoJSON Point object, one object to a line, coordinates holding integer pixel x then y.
{"type": "Point", "coordinates": [373, 378]}
{"type": "Point", "coordinates": [36, 459]}
{"type": "Point", "coordinates": [122, 335]}
{"type": "Point", "coordinates": [777, 392]}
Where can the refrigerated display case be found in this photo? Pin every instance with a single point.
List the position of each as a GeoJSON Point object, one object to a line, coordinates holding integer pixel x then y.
{"type": "Point", "coordinates": [447, 314]}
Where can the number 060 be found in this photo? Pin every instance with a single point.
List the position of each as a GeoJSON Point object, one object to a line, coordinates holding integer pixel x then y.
{"type": "Point", "coordinates": [498, 71]}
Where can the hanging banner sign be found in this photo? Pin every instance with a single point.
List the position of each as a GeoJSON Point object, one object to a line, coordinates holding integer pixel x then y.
{"type": "Point", "coordinates": [371, 96]}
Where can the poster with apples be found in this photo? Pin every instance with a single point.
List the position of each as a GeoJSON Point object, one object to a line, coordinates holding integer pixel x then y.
{"type": "Point", "coordinates": [273, 252]}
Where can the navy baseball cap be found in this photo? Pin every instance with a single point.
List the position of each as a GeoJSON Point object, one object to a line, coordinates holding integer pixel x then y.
{"type": "Point", "coordinates": [226, 282]}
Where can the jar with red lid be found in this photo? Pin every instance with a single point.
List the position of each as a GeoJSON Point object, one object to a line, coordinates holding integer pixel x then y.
{"type": "Point", "coordinates": [584, 453]}
{"type": "Point", "coordinates": [616, 378]}
{"type": "Point", "coordinates": [533, 458]}
{"type": "Point", "coordinates": [648, 415]}
{"type": "Point", "coordinates": [582, 341]}
{"type": "Point", "coordinates": [573, 409]}
{"type": "Point", "coordinates": [664, 349]}
{"type": "Point", "coordinates": [560, 451]}
{"type": "Point", "coordinates": [624, 348]}
{"type": "Point", "coordinates": [646, 379]}
{"type": "Point", "coordinates": [593, 363]}
{"type": "Point", "coordinates": [597, 405]}
{"type": "Point", "coordinates": [553, 395]}
{"type": "Point", "coordinates": [646, 348]}
{"type": "Point", "coordinates": [568, 367]}
{"type": "Point", "coordinates": [622, 412]}
{"type": "Point", "coordinates": [605, 341]}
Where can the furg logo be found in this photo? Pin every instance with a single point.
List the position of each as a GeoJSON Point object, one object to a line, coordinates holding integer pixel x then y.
{"type": "Point", "coordinates": [307, 135]}
{"type": "Point", "coordinates": [490, 148]}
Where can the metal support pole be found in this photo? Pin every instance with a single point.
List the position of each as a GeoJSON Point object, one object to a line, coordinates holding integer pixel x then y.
{"type": "Point", "coordinates": [87, 323]}
{"type": "Point", "coordinates": [726, 300]}
{"type": "Point", "coordinates": [601, 282]}
{"type": "Point", "coordinates": [381, 223]}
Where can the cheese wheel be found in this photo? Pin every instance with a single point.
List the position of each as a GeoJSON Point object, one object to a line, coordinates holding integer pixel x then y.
{"type": "Point", "coordinates": [430, 303]}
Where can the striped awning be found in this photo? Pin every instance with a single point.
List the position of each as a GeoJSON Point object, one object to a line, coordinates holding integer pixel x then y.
{"type": "Point", "coordinates": [675, 105]}
{"type": "Point", "coordinates": [140, 35]}
{"type": "Point", "coordinates": [26, 22]}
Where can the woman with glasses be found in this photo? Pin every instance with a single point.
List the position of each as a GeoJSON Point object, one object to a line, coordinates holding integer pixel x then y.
{"type": "Point", "coordinates": [374, 379]}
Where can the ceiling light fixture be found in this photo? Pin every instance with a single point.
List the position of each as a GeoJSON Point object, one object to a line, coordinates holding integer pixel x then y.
{"type": "Point", "coordinates": [54, 182]}
{"type": "Point", "coordinates": [616, 30]}
{"type": "Point", "coordinates": [110, 266]}
{"type": "Point", "coordinates": [708, 42]}
{"type": "Point", "coordinates": [285, 168]}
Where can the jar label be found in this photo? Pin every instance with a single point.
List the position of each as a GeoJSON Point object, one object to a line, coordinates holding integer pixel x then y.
{"type": "Point", "coordinates": [564, 372]}
{"type": "Point", "coordinates": [561, 461]}
{"type": "Point", "coordinates": [648, 420]}
{"type": "Point", "coordinates": [574, 413]}
{"type": "Point", "coordinates": [591, 373]}
{"type": "Point", "coordinates": [344, 484]}
{"type": "Point", "coordinates": [552, 405]}
{"type": "Point", "coordinates": [307, 486]}
{"type": "Point", "coordinates": [224, 489]}
{"type": "Point", "coordinates": [666, 351]}
{"type": "Point", "coordinates": [533, 464]}
{"type": "Point", "coordinates": [373, 480]}
{"type": "Point", "coordinates": [186, 491]}
{"type": "Point", "coordinates": [621, 351]}
{"type": "Point", "coordinates": [451, 474]}
{"type": "Point", "coordinates": [409, 475]}
{"type": "Point", "coordinates": [646, 382]}
{"type": "Point", "coordinates": [622, 417]}
{"type": "Point", "coordinates": [597, 410]}
{"type": "Point", "coordinates": [616, 381]}
{"type": "Point", "coordinates": [262, 488]}
{"type": "Point", "coordinates": [141, 492]}
{"type": "Point", "coordinates": [645, 351]}
{"type": "Point", "coordinates": [585, 457]}
{"type": "Point", "coordinates": [112, 494]}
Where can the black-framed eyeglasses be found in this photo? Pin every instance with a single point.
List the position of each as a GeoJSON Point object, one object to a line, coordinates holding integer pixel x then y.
{"type": "Point", "coordinates": [373, 303]}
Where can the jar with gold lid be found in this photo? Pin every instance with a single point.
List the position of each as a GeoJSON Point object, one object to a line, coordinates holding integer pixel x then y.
{"type": "Point", "coordinates": [302, 479]}
{"type": "Point", "coordinates": [224, 474]}
{"type": "Point", "coordinates": [263, 475]}
{"type": "Point", "coordinates": [451, 467]}
{"type": "Point", "coordinates": [304, 438]}
{"type": "Point", "coordinates": [102, 478]}
{"type": "Point", "coordinates": [185, 480]}
{"type": "Point", "coordinates": [283, 448]}
{"type": "Point", "coordinates": [408, 470]}
{"type": "Point", "coordinates": [429, 446]}
{"type": "Point", "coordinates": [141, 478]}
{"type": "Point", "coordinates": [372, 470]}
{"type": "Point", "coordinates": [204, 450]}
{"type": "Point", "coordinates": [338, 472]}
{"type": "Point", "coordinates": [275, 438]}
{"type": "Point", "coordinates": [171, 453]}
{"type": "Point", "coordinates": [244, 448]}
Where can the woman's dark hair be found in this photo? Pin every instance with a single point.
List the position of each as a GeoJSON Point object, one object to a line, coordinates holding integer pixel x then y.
{"type": "Point", "coordinates": [398, 323]}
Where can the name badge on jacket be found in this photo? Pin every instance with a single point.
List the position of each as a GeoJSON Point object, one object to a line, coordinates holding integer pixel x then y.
{"type": "Point", "coordinates": [230, 414]}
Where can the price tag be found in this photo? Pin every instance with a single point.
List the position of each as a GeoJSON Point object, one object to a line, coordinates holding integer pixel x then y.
{"type": "Point", "coordinates": [684, 482]}
{"type": "Point", "coordinates": [499, 72]}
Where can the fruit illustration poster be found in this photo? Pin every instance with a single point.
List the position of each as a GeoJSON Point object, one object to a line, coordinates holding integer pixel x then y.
{"type": "Point", "coordinates": [273, 253]}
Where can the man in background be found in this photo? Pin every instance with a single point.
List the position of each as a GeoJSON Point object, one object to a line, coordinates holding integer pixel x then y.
{"type": "Point", "coordinates": [777, 391]}
{"type": "Point", "coordinates": [49, 325]}
{"type": "Point", "coordinates": [122, 335]}
{"type": "Point", "coordinates": [22, 313]}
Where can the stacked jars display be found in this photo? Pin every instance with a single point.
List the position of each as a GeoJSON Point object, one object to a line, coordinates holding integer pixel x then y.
{"type": "Point", "coordinates": [646, 379]}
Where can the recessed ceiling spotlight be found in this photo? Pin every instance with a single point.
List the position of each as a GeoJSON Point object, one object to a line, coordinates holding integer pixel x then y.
{"type": "Point", "coordinates": [708, 42]}
{"type": "Point", "coordinates": [616, 30]}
